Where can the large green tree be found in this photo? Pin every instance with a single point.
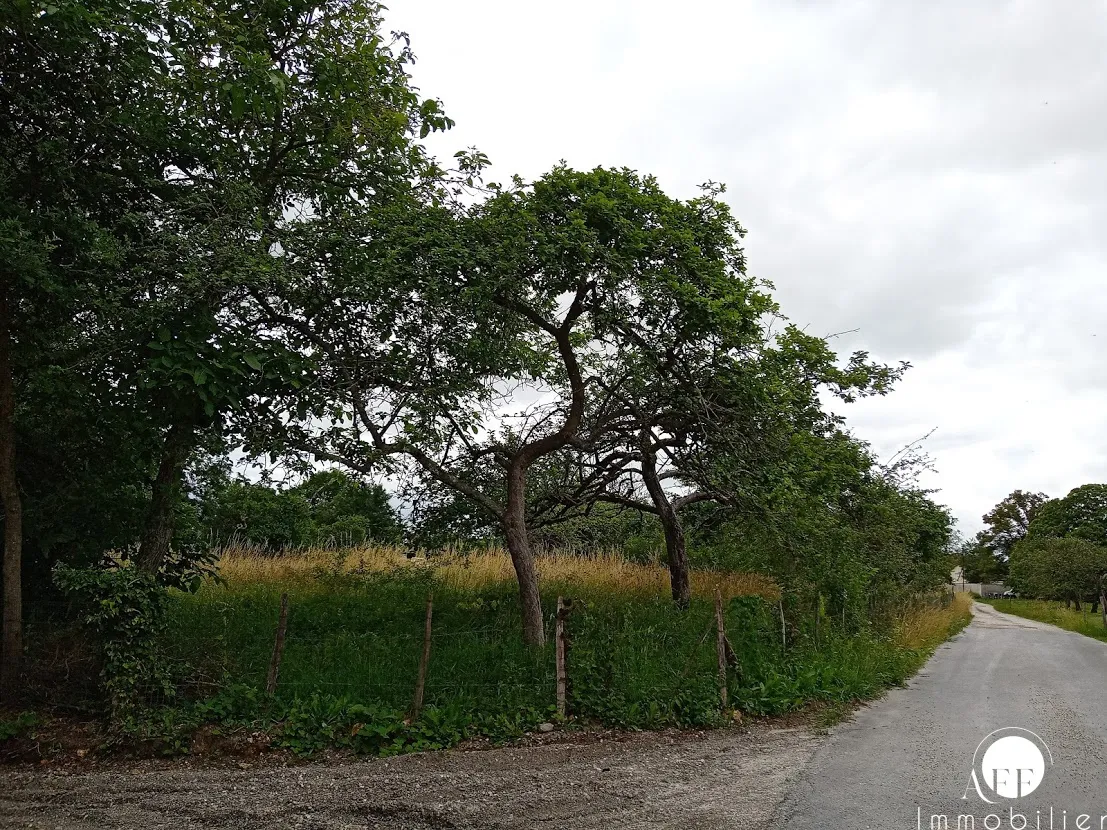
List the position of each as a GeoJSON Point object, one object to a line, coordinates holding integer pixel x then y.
{"type": "Point", "coordinates": [81, 125]}
{"type": "Point", "coordinates": [289, 115]}
{"type": "Point", "coordinates": [508, 330]}
{"type": "Point", "coordinates": [1050, 567]}
{"type": "Point", "coordinates": [1009, 521]}
{"type": "Point", "coordinates": [156, 163]}
{"type": "Point", "coordinates": [1082, 514]}
{"type": "Point", "coordinates": [706, 421]}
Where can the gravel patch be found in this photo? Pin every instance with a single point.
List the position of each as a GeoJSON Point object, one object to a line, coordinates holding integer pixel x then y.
{"type": "Point", "coordinates": [727, 778]}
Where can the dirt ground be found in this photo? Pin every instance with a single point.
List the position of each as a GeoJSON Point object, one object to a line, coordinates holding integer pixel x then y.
{"type": "Point", "coordinates": [729, 778]}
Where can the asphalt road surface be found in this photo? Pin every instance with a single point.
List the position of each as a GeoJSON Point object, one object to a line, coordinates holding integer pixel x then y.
{"type": "Point", "coordinates": [911, 752]}
{"type": "Point", "coordinates": [893, 766]}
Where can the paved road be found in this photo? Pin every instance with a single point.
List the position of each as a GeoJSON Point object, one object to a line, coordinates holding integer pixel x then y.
{"type": "Point", "coordinates": [913, 749]}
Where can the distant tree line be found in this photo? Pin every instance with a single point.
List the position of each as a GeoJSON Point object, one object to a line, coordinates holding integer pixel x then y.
{"type": "Point", "coordinates": [329, 508]}
{"type": "Point", "coordinates": [1044, 548]}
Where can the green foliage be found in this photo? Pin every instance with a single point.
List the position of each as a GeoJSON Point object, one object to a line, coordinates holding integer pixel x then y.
{"type": "Point", "coordinates": [221, 233]}
{"type": "Point", "coordinates": [1009, 522]}
{"type": "Point", "coordinates": [83, 467]}
{"type": "Point", "coordinates": [361, 634]}
{"type": "Point", "coordinates": [126, 611]}
{"type": "Point", "coordinates": [321, 721]}
{"type": "Point", "coordinates": [346, 510]}
{"type": "Point", "coordinates": [607, 527]}
{"type": "Point", "coordinates": [1057, 568]}
{"type": "Point", "coordinates": [309, 724]}
{"type": "Point", "coordinates": [153, 159]}
{"type": "Point", "coordinates": [1081, 514]}
{"type": "Point", "coordinates": [328, 508]}
{"type": "Point", "coordinates": [354, 640]}
{"type": "Point", "coordinates": [979, 564]}
{"type": "Point", "coordinates": [81, 124]}
{"type": "Point", "coordinates": [985, 558]}
{"type": "Point", "coordinates": [246, 512]}
{"type": "Point", "coordinates": [1064, 552]}
{"type": "Point", "coordinates": [830, 526]}
{"type": "Point", "coordinates": [18, 726]}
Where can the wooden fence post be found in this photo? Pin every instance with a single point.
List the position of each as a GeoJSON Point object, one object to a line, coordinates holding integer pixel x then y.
{"type": "Point", "coordinates": [1103, 598]}
{"type": "Point", "coordinates": [818, 618]}
{"type": "Point", "coordinates": [424, 660]}
{"type": "Point", "coordinates": [783, 629]}
{"type": "Point", "coordinates": [560, 648]}
{"type": "Point", "coordinates": [278, 648]}
{"type": "Point", "coordinates": [720, 646]}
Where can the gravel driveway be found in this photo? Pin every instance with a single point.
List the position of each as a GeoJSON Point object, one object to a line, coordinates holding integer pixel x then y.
{"type": "Point", "coordinates": [728, 778]}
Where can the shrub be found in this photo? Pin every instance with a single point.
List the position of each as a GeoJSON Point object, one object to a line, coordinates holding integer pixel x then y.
{"type": "Point", "coordinates": [125, 609]}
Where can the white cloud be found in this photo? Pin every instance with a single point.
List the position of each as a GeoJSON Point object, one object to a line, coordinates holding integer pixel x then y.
{"type": "Point", "coordinates": [934, 174]}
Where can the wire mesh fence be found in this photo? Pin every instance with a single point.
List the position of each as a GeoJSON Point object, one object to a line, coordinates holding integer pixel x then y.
{"type": "Point", "coordinates": [204, 651]}
{"type": "Point", "coordinates": [367, 646]}
{"type": "Point", "coordinates": [477, 658]}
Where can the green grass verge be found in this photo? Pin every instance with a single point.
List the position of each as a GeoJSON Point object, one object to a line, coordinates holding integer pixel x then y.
{"type": "Point", "coordinates": [1055, 613]}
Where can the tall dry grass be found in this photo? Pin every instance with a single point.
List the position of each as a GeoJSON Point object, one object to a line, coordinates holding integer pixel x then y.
{"type": "Point", "coordinates": [924, 625]}
{"type": "Point", "coordinates": [486, 567]}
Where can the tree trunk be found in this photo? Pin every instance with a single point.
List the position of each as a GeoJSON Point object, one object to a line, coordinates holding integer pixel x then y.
{"type": "Point", "coordinates": [677, 552]}
{"type": "Point", "coordinates": [158, 531]}
{"type": "Point", "coordinates": [675, 548]}
{"type": "Point", "coordinates": [1076, 603]}
{"type": "Point", "coordinates": [11, 648]}
{"type": "Point", "coordinates": [518, 545]}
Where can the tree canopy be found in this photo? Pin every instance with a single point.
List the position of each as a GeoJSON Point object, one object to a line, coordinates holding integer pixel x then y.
{"type": "Point", "coordinates": [224, 249]}
{"type": "Point", "coordinates": [1009, 522]}
{"type": "Point", "coordinates": [1058, 568]}
{"type": "Point", "coordinates": [985, 557]}
{"type": "Point", "coordinates": [1081, 514]}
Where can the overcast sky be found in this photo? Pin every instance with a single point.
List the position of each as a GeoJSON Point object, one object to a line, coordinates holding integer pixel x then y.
{"type": "Point", "coordinates": [933, 174]}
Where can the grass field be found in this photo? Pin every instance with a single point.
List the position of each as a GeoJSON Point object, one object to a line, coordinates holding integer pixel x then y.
{"type": "Point", "coordinates": [1055, 613]}
{"type": "Point", "coordinates": [357, 618]}
{"type": "Point", "coordinates": [355, 635]}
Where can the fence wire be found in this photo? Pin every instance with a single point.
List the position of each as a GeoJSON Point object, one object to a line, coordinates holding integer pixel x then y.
{"type": "Point", "coordinates": [477, 658]}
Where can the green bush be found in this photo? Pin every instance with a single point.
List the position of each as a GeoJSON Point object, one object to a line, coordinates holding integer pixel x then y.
{"type": "Point", "coordinates": [125, 609]}
{"type": "Point", "coordinates": [18, 726]}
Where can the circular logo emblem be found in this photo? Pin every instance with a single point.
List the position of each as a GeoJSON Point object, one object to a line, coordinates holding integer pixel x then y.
{"type": "Point", "coordinates": [1011, 762]}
